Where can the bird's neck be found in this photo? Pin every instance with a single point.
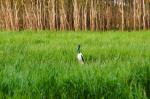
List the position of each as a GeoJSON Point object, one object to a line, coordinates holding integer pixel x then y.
{"type": "Point", "coordinates": [78, 51]}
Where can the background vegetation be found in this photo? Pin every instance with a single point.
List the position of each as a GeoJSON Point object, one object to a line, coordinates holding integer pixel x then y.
{"type": "Point", "coordinates": [43, 65]}
{"type": "Point", "coordinates": [75, 14]}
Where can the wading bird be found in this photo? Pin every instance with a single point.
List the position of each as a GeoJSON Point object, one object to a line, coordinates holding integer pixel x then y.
{"type": "Point", "coordinates": [80, 56]}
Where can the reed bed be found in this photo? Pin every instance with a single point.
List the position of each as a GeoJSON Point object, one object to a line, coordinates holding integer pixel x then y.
{"type": "Point", "coordinates": [74, 14]}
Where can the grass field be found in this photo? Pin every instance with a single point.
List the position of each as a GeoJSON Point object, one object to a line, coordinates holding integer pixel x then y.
{"type": "Point", "coordinates": [43, 65]}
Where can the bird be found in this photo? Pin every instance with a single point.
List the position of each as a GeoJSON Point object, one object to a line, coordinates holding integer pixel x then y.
{"type": "Point", "coordinates": [80, 55]}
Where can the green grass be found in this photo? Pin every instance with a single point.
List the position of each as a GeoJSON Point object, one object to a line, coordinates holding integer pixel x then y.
{"type": "Point", "coordinates": [43, 65]}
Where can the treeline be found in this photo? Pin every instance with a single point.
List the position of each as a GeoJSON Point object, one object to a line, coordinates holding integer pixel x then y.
{"type": "Point", "coordinates": [75, 14]}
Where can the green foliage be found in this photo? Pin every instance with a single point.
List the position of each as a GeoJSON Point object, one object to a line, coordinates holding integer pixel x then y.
{"type": "Point", "coordinates": [43, 65]}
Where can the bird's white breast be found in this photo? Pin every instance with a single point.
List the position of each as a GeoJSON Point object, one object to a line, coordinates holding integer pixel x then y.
{"type": "Point", "coordinates": [79, 57]}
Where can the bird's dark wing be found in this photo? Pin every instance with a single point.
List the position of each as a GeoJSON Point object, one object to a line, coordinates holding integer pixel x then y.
{"type": "Point", "coordinates": [82, 58]}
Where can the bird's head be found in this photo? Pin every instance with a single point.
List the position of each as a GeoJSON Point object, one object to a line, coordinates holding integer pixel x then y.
{"type": "Point", "coordinates": [78, 48]}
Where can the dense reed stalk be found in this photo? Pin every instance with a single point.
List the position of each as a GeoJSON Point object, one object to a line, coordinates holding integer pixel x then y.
{"type": "Point", "coordinates": [75, 14]}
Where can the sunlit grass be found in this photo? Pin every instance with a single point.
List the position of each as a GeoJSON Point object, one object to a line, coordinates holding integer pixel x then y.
{"type": "Point", "coordinates": [43, 65]}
